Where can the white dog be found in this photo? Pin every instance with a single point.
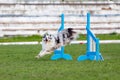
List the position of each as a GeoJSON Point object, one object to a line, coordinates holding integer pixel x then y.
{"type": "Point", "coordinates": [51, 42]}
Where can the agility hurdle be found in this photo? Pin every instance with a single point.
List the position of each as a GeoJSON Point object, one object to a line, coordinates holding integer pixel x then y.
{"type": "Point", "coordinates": [92, 48]}
{"type": "Point", "coordinates": [59, 53]}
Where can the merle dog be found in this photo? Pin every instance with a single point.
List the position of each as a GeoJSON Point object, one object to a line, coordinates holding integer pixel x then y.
{"type": "Point", "coordinates": [51, 42]}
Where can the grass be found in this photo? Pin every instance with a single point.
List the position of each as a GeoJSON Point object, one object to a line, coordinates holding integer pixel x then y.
{"type": "Point", "coordinates": [38, 38]}
{"type": "Point", "coordinates": [17, 62]}
{"type": "Point", "coordinates": [21, 38]}
{"type": "Point", "coordinates": [103, 37]}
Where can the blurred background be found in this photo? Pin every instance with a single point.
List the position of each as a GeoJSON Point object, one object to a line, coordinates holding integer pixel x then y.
{"type": "Point", "coordinates": [34, 17]}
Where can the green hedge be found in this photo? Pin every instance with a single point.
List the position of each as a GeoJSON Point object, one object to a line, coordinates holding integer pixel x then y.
{"type": "Point", "coordinates": [21, 38]}
{"type": "Point", "coordinates": [103, 37]}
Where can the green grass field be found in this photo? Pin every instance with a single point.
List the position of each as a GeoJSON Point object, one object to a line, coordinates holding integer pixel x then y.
{"type": "Point", "coordinates": [17, 62]}
{"type": "Point", "coordinates": [112, 36]}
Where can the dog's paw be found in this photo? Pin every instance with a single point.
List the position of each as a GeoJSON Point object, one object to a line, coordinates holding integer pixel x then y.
{"type": "Point", "coordinates": [37, 57]}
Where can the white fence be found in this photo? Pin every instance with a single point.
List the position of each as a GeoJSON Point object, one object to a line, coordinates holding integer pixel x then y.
{"type": "Point", "coordinates": [34, 18]}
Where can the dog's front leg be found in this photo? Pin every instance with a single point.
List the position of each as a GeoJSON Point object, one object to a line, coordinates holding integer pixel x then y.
{"type": "Point", "coordinates": [43, 53]}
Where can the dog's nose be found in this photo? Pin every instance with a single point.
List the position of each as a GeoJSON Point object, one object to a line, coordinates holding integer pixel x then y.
{"type": "Point", "coordinates": [46, 40]}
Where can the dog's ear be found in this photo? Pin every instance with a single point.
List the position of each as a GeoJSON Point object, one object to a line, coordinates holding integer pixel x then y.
{"type": "Point", "coordinates": [45, 35]}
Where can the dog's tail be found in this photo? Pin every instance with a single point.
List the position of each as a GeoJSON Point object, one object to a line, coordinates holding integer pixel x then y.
{"type": "Point", "coordinates": [71, 30]}
{"type": "Point", "coordinates": [72, 33]}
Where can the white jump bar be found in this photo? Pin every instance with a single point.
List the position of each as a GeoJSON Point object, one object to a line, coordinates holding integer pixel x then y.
{"type": "Point", "coordinates": [73, 42]}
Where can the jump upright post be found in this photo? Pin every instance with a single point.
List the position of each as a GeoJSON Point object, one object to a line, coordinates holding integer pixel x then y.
{"type": "Point", "coordinates": [59, 53]}
{"type": "Point", "coordinates": [92, 46]}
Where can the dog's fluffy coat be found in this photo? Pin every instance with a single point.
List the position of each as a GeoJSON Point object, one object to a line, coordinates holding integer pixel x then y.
{"type": "Point", "coordinates": [51, 42]}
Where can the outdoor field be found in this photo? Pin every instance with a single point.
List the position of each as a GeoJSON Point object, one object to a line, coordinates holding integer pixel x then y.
{"type": "Point", "coordinates": [17, 62]}
{"type": "Point", "coordinates": [25, 24]}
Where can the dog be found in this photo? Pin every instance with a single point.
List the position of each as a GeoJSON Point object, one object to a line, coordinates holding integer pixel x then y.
{"type": "Point", "coordinates": [52, 42]}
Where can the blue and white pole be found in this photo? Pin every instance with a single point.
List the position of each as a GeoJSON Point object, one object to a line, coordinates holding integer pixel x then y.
{"type": "Point", "coordinates": [59, 53]}
{"type": "Point", "coordinates": [92, 42]}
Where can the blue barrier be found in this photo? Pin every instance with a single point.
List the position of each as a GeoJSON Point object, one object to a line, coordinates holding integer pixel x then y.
{"type": "Point", "coordinates": [59, 53]}
{"type": "Point", "coordinates": [91, 55]}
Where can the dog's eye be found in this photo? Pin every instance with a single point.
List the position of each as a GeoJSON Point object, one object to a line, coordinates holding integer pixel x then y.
{"type": "Point", "coordinates": [49, 37]}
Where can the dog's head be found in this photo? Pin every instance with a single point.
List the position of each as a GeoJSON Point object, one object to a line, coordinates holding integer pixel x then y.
{"type": "Point", "coordinates": [47, 37]}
